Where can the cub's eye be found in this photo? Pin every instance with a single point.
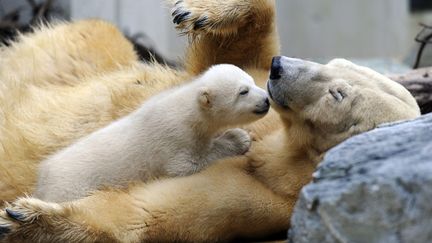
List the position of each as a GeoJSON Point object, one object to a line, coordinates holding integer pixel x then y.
{"type": "Point", "coordinates": [244, 92]}
{"type": "Point", "coordinates": [337, 94]}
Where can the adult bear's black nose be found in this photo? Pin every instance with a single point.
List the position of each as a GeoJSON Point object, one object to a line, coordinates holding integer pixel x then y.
{"type": "Point", "coordinates": [276, 67]}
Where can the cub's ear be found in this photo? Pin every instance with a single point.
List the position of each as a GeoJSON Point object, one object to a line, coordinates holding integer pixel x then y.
{"type": "Point", "coordinates": [204, 98]}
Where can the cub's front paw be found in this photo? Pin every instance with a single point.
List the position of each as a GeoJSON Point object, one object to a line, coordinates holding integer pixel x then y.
{"type": "Point", "coordinates": [240, 140]}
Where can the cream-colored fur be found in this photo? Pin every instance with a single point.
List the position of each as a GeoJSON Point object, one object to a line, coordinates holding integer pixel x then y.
{"type": "Point", "coordinates": [171, 134]}
{"type": "Point", "coordinates": [76, 73]}
{"type": "Point", "coordinates": [251, 195]}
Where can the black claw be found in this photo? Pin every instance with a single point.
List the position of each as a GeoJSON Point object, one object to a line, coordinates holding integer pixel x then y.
{"type": "Point", "coordinates": [15, 215]}
{"type": "Point", "coordinates": [181, 17]}
{"type": "Point", "coordinates": [4, 230]}
{"type": "Point", "coordinates": [175, 12]}
{"type": "Point", "coordinates": [201, 22]}
{"type": "Point", "coordinates": [178, 2]}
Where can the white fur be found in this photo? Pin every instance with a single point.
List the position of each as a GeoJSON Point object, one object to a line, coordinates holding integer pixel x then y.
{"type": "Point", "coordinates": [173, 133]}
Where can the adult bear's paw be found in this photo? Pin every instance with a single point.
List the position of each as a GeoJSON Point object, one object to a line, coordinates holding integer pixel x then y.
{"type": "Point", "coordinates": [27, 218]}
{"type": "Point", "coordinates": [209, 16]}
{"type": "Point", "coordinates": [188, 18]}
{"type": "Point", "coordinates": [33, 220]}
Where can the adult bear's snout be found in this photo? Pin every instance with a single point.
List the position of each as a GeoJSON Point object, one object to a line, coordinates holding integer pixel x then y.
{"type": "Point", "coordinates": [287, 68]}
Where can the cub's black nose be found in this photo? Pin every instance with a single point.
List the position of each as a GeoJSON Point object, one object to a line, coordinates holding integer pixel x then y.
{"type": "Point", "coordinates": [262, 108]}
{"type": "Point", "coordinates": [275, 68]}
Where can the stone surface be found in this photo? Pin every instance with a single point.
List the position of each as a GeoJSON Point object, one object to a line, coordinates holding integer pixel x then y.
{"type": "Point", "coordinates": [374, 187]}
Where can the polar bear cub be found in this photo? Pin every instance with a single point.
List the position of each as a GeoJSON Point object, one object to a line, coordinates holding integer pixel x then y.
{"type": "Point", "coordinates": [172, 134]}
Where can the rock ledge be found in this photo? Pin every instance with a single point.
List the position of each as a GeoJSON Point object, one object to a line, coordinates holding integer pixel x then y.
{"type": "Point", "coordinates": [374, 187]}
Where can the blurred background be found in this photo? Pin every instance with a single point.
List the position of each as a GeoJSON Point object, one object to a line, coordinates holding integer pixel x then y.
{"type": "Point", "coordinates": [381, 32]}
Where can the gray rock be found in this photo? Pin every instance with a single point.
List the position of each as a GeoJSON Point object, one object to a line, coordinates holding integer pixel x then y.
{"type": "Point", "coordinates": [374, 187]}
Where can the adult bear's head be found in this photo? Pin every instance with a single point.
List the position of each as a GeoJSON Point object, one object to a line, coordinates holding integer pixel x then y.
{"type": "Point", "coordinates": [337, 100]}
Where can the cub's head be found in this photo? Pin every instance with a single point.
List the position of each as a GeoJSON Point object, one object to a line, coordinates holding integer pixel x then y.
{"type": "Point", "coordinates": [337, 100]}
{"type": "Point", "coordinates": [229, 96]}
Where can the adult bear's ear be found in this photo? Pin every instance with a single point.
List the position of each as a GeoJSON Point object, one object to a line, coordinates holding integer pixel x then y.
{"type": "Point", "coordinates": [205, 98]}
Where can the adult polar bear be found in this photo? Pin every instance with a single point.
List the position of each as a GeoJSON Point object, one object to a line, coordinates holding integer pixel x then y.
{"type": "Point", "coordinates": [93, 80]}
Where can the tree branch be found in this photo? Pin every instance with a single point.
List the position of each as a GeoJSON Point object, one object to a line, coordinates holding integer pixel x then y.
{"type": "Point", "coordinates": [419, 83]}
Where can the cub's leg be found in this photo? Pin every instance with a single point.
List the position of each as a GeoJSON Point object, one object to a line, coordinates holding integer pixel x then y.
{"type": "Point", "coordinates": [232, 142]}
{"type": "Point", "coordinates": [197, 208]}
{"type": "Point", "coordinates": [240, 32]}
